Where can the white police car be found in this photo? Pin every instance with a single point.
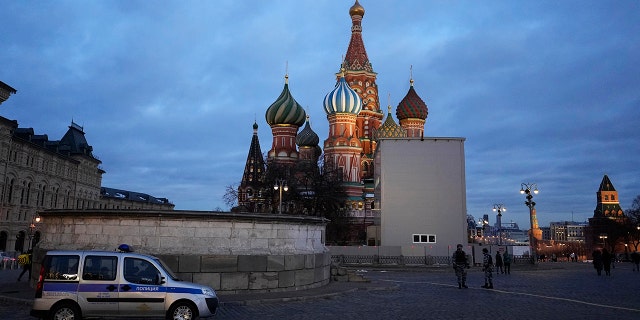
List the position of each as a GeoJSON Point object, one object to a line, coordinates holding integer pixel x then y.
{"type": "Point", "coordinates": [85, 284]}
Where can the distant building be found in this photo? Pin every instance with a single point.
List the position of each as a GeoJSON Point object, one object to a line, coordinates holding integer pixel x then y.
{"type": "Point", "coordinates": [5, 91]}
{"type": "Point", "coordinates": [605, 228]}
{"type": "Point", "coordinates": [37, 174]}
{"type": "Point", "coordinates": [118, 199]}
{"type": "Point", "coordinates": [566, 231]}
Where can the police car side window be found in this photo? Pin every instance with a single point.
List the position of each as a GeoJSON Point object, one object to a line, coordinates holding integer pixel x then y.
{"type": "Point", "coordinates": [100, 268]}
{"type": "Point", "coordinates": [63, 267]}
{"type": "Point", "coordinates": [140, 271]}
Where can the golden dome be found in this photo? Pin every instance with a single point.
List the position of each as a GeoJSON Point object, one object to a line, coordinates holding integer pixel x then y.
{"type": "Point", "coordinates": [356, 9]}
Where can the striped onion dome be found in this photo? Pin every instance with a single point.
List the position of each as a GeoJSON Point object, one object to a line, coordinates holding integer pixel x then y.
{"type": "Point", "coordinates": [342, 99]}
{"type": "Point", "coordinates": [412, 106]}
{"type": "Point", "coordinates": [389, 129]}
{"type": "Point", "coordinates": [285, 110]}
{"type": "Point", "coordinates": [306, 137]}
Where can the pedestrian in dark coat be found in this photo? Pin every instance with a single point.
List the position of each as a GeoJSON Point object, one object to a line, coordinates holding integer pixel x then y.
{"type": "Point", "coordinates": [26, 264]}
{"type": "Point", "coordinates": [597, 261]}
{"type": "Point", "coordinates": [499, 263]}
{"type": "Point", "coordinates": [635, 258]}
{"type": "Point", "coordinates": [606, 262]}
{"type": "Point", "coordinates": [506, 260]}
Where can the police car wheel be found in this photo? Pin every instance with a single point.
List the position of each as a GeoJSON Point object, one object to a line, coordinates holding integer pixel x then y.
{"type": "Point", "coordinates": [183, 311]}
{"type": "Point", "coordinates": [65, 311]}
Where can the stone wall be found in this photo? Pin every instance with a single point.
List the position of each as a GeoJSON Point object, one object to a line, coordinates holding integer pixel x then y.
{"type": "Point", "coordinates": [232, 253]}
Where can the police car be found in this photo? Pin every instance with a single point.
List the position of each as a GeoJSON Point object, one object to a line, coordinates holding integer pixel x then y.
{"type": "Point", "coordinates": [85, 284]}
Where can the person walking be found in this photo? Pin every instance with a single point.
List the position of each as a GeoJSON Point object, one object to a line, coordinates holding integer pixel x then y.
{"type": "Point", "coordinates": [606, 261]}
{"type": "Point", "coordinates": [25, 260]}
{"type": "Point", "coordinates": [597, 261]}
{"type": "Point", "coordinates": [487, 267]}
{"type": "Point", "coordinates": [635, 258]}
{"type": "Point", "coordinates": [460, 264]}
{"type": "Point", "coordinates": [499, 263]}
{"type": "Point", "coordinates": [506, 260]}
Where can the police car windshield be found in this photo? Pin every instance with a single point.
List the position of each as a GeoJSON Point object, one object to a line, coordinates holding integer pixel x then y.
{"type": "Point", "coordinates": [167, 270]}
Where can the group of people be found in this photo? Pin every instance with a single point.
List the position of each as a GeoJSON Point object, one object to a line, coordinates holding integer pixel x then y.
{"type": "Point", "coordinates": [603, 260]}
{"type": "Point", "coordinates": [461, 262]}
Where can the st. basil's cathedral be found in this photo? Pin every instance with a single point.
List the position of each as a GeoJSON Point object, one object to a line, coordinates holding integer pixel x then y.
{"type": "Point", "coordinates": [355, 127]}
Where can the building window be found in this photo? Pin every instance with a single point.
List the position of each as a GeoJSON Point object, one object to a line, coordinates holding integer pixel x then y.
{"type": "Point", "coordinates": [424, 238]}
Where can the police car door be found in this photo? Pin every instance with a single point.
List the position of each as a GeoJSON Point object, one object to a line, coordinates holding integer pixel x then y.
{"type": "Point", "coordinates": [98, 289]}
{"type": "Point", "coordinates": [141, 290]}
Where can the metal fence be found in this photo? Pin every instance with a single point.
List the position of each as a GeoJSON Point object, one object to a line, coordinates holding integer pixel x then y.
{"type": "Point", "coordinates": [8, 264]}
{"type": "Point", "coordinates": [405, 260]}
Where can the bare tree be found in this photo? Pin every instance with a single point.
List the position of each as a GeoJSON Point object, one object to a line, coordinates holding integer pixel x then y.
{"type": "Point", "coordinates": [633, 229]}
{"type": "Point", "coordinates": [230, 196]}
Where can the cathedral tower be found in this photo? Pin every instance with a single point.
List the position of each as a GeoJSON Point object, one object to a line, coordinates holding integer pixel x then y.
{"type": "Point", "coordinates": [250, 197]}
{"type": "Point", "coordinates": [360, 76]}
{"type": "Point", "coordinates": [342, 148]}
{"type": "Point", "coordinates": [412, 113]}
{"type": "Point", "coordinates": [608, 205]}
{"type": "Point", "coordinates": [284, 116]}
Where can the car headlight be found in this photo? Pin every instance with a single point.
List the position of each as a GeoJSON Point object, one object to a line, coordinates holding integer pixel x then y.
{"type": "Point", "coordinates": [208, 292]}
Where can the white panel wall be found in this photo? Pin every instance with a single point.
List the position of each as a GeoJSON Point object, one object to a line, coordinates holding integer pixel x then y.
{"type": "Point", "coordinates": [422, 191]}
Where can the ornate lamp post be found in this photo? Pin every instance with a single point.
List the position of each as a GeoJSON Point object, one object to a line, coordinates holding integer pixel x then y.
{"type": "Point", "coordinates": [32, 228]}
{"type": "Point", "coordinates": [535, 233]}
{"type": "Point", "coordinates": [499, 207]}
{"type": "Point", "coordinates": [281, 184]}
{"type": "Point", "coordinates": [484, 229]}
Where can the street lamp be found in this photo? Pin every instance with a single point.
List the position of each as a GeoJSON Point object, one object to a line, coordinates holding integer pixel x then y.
{"type": "Point", "coordinates": [499, 207]}
{"type": "Point", "coordinates": [281, 184]}
{"type": "Point", "coordinates": [32, 228]}
{"type": "Point", "coordinates": [603, 237]}
{"type": "Point", "coordinates": [535, 233]}
{"type": "Point", "coordinates": [484, 229]}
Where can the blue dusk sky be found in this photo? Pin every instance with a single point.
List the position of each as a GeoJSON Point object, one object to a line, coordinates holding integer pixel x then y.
{"type": "Point", "coordinates": [546, 92]}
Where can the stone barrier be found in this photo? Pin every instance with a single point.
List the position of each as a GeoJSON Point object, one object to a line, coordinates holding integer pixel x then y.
{"type": "Point", "coordinates": [231, 252]}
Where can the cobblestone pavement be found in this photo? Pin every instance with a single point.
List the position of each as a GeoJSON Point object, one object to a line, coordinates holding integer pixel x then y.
{"type": "Point", "coordinates": [555, 290]}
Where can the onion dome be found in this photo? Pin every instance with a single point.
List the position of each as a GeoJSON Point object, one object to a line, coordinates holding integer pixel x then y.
{"type": "Point", "coordinates": [285, 110]}
{"type": "Point", "coordinates": [412, 106]}
{"type": "Point", "coordinates": [306, 137]}
{"type": "Point", "coordinates": [356, 9]}
{"type": "Point", "coordinates": [342, 99]}
{"type": "Point", "coordinates": [390, 129]}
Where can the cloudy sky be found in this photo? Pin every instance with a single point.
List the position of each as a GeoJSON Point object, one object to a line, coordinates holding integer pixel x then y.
{"type": "Point", "coordinates": [546, 92]}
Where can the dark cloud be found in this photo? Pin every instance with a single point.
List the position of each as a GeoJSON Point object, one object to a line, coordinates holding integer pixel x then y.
{"type": "Point", "coordinates": [167, 92]}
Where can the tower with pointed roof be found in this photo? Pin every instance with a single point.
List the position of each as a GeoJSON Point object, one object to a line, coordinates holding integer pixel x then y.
{"type": "Point", "coordinates": [250, 198]}
{"type": "Point", "coordinates": [606, 226]}
{"type": "Point", "coordinates": [285, 116]}
{"type": "Point", "coordinates": [608, 205]}
{"type": "Point", "coordinates": [359, 74]}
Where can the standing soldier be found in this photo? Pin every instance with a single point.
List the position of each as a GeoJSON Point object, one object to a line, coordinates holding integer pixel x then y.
{"type": "Point", "coordinates": [487, 267]}
{"type": "Point", "coordinates": [460, 264]}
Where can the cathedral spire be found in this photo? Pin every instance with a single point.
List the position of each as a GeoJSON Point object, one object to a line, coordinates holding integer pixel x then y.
{"type": "Point", "coordinates": [356, 58]}
{"type": "Point", "coordinates": [249, 198]}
